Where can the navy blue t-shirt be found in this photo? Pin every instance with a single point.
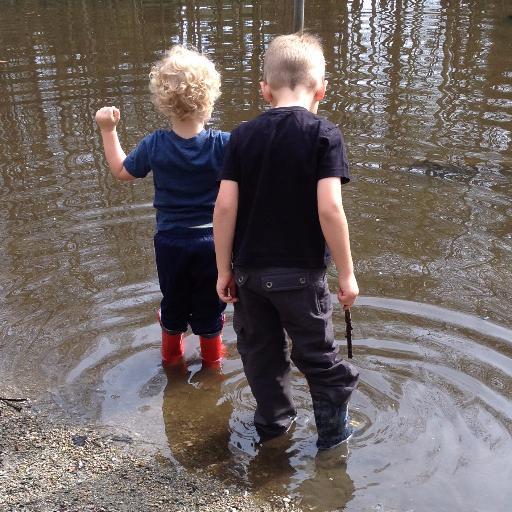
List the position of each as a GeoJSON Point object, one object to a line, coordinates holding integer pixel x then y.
{"type": "Point", "coordinates": [277, 160]}
{"type": "Point", "coordinates": [186, 174]}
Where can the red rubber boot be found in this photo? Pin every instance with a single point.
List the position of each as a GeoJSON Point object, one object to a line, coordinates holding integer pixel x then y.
{"type": "Point", "coordinates": [172, 348]}
{"type": "Point", "coordinates": [212, 350]}
{"type": "Point", "coordinates": [172, 344]}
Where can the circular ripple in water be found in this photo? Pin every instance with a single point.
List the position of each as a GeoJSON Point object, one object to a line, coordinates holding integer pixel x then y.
{"type": "Point", "coordinates": [432, 414]}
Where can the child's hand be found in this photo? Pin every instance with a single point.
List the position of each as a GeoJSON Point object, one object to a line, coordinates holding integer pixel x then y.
{"type": "Point", "coordinates": [226, 288]}
{"type": "Point", "coordinates": [107, 118]}
{"type": "Point", "coordinates": [348, 290]}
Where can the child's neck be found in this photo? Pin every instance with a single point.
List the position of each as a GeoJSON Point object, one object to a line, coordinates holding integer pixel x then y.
{"type": "Point", "coordinates": [298, 97]}
{"type": "Point", "coordinates": [187, 128]}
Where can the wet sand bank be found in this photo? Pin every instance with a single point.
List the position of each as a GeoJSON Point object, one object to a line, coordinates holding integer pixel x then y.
{"type": "Point", "coordinates": [49, 461]}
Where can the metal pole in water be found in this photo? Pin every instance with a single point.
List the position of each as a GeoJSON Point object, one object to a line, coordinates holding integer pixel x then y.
{"type": "Point", "coordinates": [298, 16]}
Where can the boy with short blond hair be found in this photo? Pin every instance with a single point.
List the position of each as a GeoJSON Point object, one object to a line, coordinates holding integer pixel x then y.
{"type": "Point", "coordinates": [185, 162]}
{"type": "Point", "coordinates": [278, 206]}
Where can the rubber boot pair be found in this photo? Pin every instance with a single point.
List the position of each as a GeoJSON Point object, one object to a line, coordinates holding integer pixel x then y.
{"type": "Point", "coordinates": [212, 348]}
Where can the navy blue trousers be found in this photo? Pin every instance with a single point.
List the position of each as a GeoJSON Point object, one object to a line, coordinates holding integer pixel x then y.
{"type": "Point", "coordinates": [185, 260]}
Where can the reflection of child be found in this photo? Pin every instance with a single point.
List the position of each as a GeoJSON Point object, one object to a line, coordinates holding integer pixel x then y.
{"type": "Point", "coordinates": [185, 162]}
{"type": "Point", "coordinates": [195, 418]}
{"type": "Point", "coordinates": [279, 203]}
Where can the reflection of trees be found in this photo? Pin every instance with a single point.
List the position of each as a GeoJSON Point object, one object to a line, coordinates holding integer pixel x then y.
{"type": "Point", "coordinates": [101, 52]}
{"type": "Point", "coordinates": [408, 78]}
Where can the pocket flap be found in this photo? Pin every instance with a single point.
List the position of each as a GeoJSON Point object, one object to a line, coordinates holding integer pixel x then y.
{"type": "Point", "coordinates": [283, 282]}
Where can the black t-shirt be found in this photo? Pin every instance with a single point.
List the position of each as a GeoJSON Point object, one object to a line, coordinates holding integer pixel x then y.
{"type": "Point", "coordinates": [277, 159]}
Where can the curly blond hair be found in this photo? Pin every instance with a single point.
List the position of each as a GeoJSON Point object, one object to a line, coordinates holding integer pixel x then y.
{"type": "Point", "coordinates": [184, 84]}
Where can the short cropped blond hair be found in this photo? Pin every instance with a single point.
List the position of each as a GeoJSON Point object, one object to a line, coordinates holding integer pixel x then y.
{"type": "Point", "coordinates": [184, 84]}
{"type": "Point", "coordinates": [294, 59]}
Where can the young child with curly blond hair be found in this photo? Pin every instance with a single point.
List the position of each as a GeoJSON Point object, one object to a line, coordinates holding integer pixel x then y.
{"type": "Point", "coordinates": [185, 161]}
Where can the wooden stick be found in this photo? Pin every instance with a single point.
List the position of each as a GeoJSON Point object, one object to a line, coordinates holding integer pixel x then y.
{"type": "Point", "coordinates": [348, 323]}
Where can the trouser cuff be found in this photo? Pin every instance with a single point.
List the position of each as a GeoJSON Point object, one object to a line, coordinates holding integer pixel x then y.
{"type": "Point", "coordinates": [267, 432]}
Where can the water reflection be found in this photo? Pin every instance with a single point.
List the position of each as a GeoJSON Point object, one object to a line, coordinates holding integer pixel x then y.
{"type": "Point", "coordinates": [431, 407]}
{"type": "Point", "coordinates": [422, 90]}
{"type": "Point", "coordinates": [200, 403]}
{"type": "Point", "coordinates": [194, 422]}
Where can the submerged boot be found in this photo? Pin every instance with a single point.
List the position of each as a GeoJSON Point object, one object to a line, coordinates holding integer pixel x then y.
{"type": "Point", "coordinates": [172, 348]}
{"type": "Point", "coordinates": [212, 350]}
{"type": "Point", "coordinates": [331, 424]}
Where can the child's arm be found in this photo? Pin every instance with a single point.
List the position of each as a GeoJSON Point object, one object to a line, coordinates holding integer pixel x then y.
{"type": "Point", "coordinates": [107, 119]}
{"type": "Point", "coordinates": [224, 221]}
{"type": "Point", "coordinates": [335, 229]}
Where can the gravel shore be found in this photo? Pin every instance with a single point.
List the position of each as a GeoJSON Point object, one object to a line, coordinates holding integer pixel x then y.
{"type": "Point", "coordinates": [49, 462]}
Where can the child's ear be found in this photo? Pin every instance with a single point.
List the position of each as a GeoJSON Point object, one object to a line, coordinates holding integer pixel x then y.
{"type": "Point", "coordinates": [266, 92]}
{"type": "Point", "coordinates": [320, 92]}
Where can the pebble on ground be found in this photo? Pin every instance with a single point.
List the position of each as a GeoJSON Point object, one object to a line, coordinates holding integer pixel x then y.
{"type": "Point", "coordinates": [50, 463]}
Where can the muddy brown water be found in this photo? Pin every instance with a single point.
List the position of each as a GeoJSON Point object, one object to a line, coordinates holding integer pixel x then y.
{"type": "Point", "coordinates": [422, 90]}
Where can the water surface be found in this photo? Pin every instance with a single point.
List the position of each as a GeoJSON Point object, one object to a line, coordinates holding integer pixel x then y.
{"type": "Point", "coordinates": [422, 90]}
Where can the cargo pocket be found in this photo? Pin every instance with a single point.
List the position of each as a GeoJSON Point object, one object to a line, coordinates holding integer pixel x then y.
{"type": "Point", "coordinates": [323, 295]}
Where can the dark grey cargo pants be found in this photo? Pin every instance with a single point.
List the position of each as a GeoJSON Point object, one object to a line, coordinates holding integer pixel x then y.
{"type": "Point", "coordinates": [272, 301]}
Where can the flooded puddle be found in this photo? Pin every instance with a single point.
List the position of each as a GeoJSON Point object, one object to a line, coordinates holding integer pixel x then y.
{"type": "Point", "coordinates": [422, 90]}
{"type": "Point", "coordinates": [432, 413]}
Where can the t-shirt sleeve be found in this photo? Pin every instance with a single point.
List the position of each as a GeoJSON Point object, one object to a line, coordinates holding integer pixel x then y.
{"type": "Point", "coordinates": [137, 161]}
{"type": "Point", "coordinates": [223, 140]}
{"type": "Point", "coordinates": [230, 167]}
{"type": "Point", "coordinates": [332, 156]}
